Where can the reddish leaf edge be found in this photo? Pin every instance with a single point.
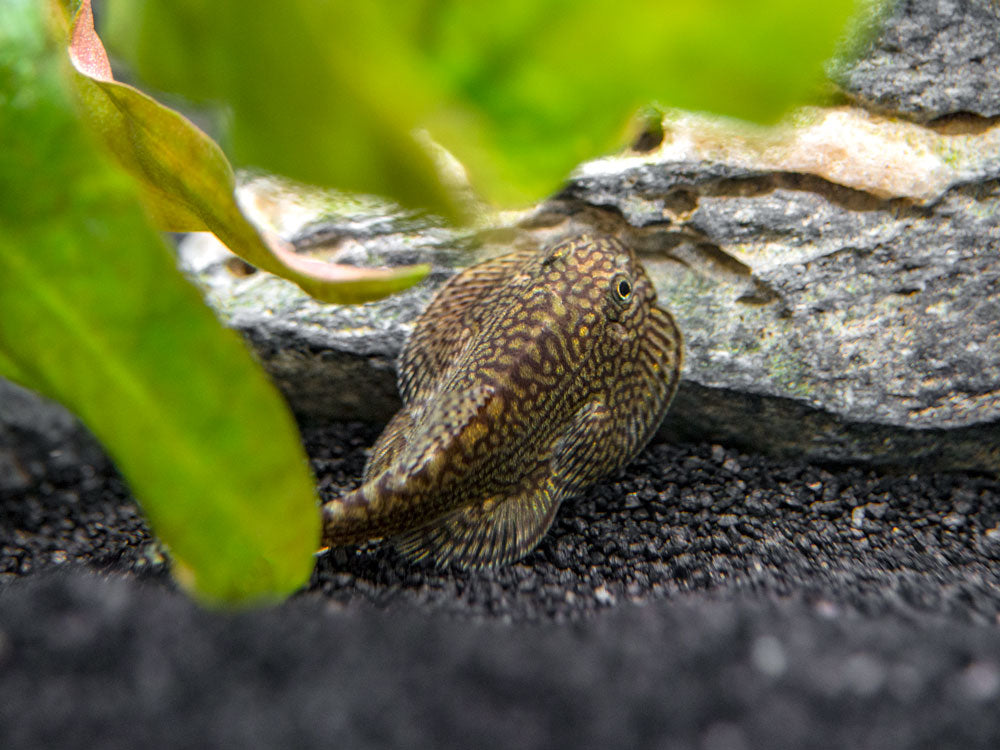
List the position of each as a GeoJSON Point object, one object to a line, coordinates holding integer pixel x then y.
{"type": "Point", "coordinates": [327, 282]}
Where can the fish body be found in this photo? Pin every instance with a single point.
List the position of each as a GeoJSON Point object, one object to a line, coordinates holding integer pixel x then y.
{"type": "Point", "coordinates": [527, 378]}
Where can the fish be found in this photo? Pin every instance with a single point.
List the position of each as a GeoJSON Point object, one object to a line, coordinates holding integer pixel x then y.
{"type": "Point", "coordinates": [527, 378]}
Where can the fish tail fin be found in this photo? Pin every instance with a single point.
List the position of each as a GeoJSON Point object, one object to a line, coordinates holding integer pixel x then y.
{"type": "Point", "coordinates": [348, 519]}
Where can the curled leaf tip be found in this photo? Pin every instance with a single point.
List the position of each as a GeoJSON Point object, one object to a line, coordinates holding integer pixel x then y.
{"type": "Point", "coordinates": [85, 49]}
{"type": "Point", "coordinates": [187, 183]}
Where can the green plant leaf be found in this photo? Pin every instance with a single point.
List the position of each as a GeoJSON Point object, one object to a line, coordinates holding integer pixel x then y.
{"type": "Point", "coordinates": [522, 91]}
{"type": "Point", "coordinates": [93, 312]}
{"type": "Point", "coordinates": [187, 184]}
{"type": "Point", "coordinates": [550, 84]}
{"type": "Point", "coordinates": [10, 370]}
{"type": "Point", "coordinates": [300, 81]}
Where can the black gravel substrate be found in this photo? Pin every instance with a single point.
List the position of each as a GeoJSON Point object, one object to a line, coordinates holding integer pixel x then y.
{"type": "Point", "coordinates": [701, 599]}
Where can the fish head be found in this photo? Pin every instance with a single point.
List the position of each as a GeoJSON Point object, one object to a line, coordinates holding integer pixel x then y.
{"type": "Point", "coordinates": [601, 285]}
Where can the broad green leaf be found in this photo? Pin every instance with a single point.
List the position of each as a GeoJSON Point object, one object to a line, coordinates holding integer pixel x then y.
{"type": "Point", "coordinates": [520, 91]}
{"type": "Point", "coordinates": [313, 100]}
{"type": "Point", "coordinates": [551, 84]}
{"type": "Point", "coordinates": [10, 370]}
{"type": "Point", "coordinates": [187, 183]}
{"type": "Point", "coordinates": [94, 313]}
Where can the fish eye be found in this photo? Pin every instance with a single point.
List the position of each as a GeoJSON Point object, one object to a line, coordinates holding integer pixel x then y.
{"type": "Point", "coordinates": [622, 288]}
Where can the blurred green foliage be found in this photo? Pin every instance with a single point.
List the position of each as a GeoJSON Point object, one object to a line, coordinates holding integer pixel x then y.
{"type": "Point", "coordinates": [188, 185]}
{"type": "Point", "coordinates": [521, 91]}
{"type": "Point", "coordinates": [94, 313]}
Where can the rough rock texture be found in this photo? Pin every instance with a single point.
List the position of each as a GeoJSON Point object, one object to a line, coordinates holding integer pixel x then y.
{"type": "Point", "coordinates": [838, 322]}
{"type": "Point", "coordinates": [838, 279]}
{"type": "Point", "coordinates": [822, 320]}
{"type": "Point", "coordinates": [330, 361]}
{"type": "Point", "coordinates": [932, 58]}
{"type": "Point", "coordinates": [703, 599]}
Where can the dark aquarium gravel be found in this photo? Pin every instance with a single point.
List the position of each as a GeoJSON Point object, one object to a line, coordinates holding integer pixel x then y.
{"type": "Point", "coordinates": [701, 598]}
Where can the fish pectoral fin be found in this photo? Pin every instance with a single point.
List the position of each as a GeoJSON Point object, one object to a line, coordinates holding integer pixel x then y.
{"type": "Point", "coordinates": [495, 531]}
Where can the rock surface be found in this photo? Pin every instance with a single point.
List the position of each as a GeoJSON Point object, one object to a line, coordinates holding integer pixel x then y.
{"type": "Point", "coordinates": [840, 305]}
{"type": "Point", "coordinates": [932, 58]}
{"type": "Point", "coordinates": [845, 323]}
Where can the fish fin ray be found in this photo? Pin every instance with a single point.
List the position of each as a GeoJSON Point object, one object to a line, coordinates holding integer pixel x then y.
{"type": "Point", "coordinates": [486, 534]}
{"type": "Point", "coordinates": [591, 447]}
{"type": "Point", "coordinates": [646, 393]}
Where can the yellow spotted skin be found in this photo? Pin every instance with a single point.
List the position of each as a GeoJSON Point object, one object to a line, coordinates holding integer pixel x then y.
{"type": "Point", "coordinates": [527, 378]}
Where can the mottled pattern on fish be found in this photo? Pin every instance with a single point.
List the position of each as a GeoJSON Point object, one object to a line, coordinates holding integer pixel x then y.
{"type": "Point", "coordinates": [527, 378]}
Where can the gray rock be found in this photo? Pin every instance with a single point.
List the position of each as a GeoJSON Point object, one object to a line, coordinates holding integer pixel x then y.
{"type": "Point", "coordinates": [331, 362]}
{"type": "Point", "coordinates": [838, 287]}
{"type": "Point", "coordinates": [932, 58]}
{"type": "Point", "coordinates": [824, 322]}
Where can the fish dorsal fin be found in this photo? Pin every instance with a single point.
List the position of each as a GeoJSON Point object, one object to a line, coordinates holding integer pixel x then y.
{"type": "Point", "coordinates": [429, 434]}
{"type": "Point", "coordinates": [450, 320]}
{"type": "Point", "coordinates": [491, 532]}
